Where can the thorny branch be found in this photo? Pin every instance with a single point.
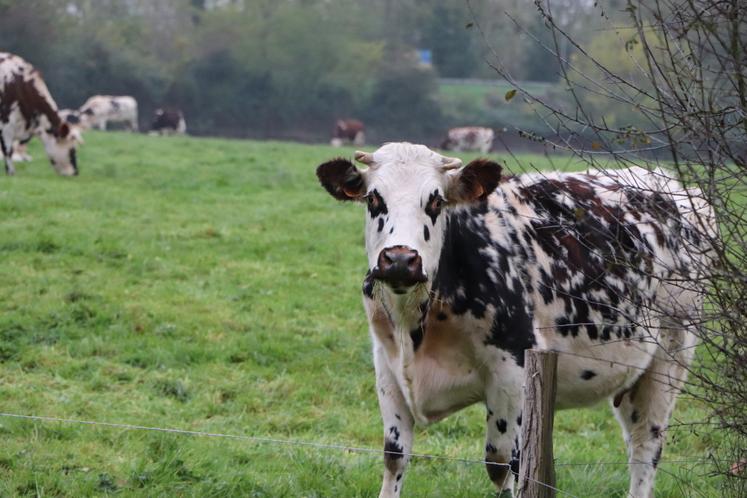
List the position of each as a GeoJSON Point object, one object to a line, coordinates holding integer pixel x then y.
{"type": "Point", "coordinates": [688, 87]}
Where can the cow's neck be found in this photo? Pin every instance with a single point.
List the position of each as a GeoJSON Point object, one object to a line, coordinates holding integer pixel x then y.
{"type": "Point", "coordinates": [49, 124]}
{"type": "Point", "coordinates": [462, 279]}
{"type": "Point", "coordinates": [37, 107]}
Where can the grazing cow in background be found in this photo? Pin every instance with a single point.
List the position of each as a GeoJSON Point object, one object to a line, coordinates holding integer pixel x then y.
{"type": "Point", "coordinates": [468, 269]}
{"type": "Point", "coordinates": [27, 109]}
{"type": "Point", "coordinates": [348, 131]}
{"type": "Point", "coordinates": [168, 121]}
{"type": "Point", "coordinates": [469, 138]}
{"type": "Point", "coordinates": [100, 110]}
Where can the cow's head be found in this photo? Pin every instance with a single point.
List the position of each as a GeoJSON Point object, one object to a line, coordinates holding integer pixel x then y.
{"type": "Point", "coordinates": [87, 117]}
{"type": "Point", "coordinates": [407, 190]}
{"type": "Point", "coordinates": [60, 143]}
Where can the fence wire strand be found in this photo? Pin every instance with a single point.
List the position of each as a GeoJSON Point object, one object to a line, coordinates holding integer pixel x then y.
{"type": "Point", "coordinates": [328, 446]}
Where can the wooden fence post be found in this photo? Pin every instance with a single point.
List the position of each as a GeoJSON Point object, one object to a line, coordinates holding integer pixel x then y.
{"type": "Point", "coordinates": [536, 466]}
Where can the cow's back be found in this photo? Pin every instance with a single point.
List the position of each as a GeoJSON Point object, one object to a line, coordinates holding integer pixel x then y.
{"type": "Point", "coordinates": [595, 253]}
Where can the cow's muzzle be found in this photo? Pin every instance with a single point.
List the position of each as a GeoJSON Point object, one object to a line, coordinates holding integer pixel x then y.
{"type": "Point", "coordinates": [399, 267]}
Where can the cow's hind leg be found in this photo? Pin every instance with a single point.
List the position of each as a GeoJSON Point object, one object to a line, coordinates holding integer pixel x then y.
{"type": "Point", "coordinates": [502, 439]}
{"type": "Point", "coordinates": [644, 411]}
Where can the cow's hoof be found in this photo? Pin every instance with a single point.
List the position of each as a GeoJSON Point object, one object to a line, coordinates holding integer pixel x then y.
{"type": "Point", "coordinates": [506, 493]}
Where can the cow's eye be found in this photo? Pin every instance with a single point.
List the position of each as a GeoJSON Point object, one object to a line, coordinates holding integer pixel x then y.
{"type": "Point", "coordinates": [437, 204]}
{"type": "Point", "coordinates": [373, 201]}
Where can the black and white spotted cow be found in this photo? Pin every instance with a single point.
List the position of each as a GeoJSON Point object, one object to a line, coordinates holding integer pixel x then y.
{"type": "Point", "coordinates": [168, 121]}
{"type": "Point", "coordinates": [469, 268]}
{"type": "Point", "coordinates": [100, 110]}
{"type": "Point", "coordinates": [28, 109]}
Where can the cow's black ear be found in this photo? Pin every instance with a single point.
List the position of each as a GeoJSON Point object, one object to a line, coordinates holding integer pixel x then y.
{"type": "Point", "coordinates": [474, 182]}
{"type": "Point", "coordinates": [342, 180]}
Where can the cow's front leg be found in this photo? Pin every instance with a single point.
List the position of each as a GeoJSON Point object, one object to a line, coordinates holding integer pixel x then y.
{"type": "Point", "coordinates": [503, 403]}
{"type": "Point", "coordinates": [10, 170]}
{"type": "Point", "coordinates": [6, 150]}
{"type": "Point", "coordinates": [398, 424]}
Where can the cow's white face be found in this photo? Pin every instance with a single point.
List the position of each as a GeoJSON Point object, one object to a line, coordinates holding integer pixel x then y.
{"type": "Point", "coordinates": [60, 148]}
{"type": "Point", "coordinates": [407, 190]}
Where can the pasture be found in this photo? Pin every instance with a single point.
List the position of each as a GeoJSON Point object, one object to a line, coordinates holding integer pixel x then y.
{"type": "Point", "coordinates": [211, 285]}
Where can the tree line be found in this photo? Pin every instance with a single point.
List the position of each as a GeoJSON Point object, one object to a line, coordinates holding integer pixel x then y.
{"type": "Point", "coordinates": [278, 68]}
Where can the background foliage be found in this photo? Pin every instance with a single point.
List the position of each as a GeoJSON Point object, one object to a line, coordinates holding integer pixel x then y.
{"type": "Point", "coordinates": [283, 68]}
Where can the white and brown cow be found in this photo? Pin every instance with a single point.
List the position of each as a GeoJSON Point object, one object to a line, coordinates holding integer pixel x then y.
{"type": "Point", "coordinates": [168, 121]}
{"type": "Point", "coordinates": [100, 110]}
{"type": "Point", "coordinates": [468, 269]}
{"type": "Point", "coordinates": [27, 109]}
{"type": "Point", "coordinates": [348, 131]}
{"type": "Point", "coordinates": [469, 138]}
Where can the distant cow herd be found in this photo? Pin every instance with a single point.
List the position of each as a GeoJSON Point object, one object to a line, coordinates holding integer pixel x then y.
{"type": "Point", "coordinates": [462, 139]}
{"type": "Point", "coordinates": [27, 109]}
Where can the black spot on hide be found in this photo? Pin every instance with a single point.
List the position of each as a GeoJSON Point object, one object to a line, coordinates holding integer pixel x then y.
{"type": "Point", "coordinates": [588, 374]}
{"type": "Point", "coordinates": [368, 285]}
{"type": "Point", "coordinates": [417, 337]}
{"type": "Point", "coordinates": [462, 267]}
{"type": "Point", "coordinates": [501, 425]}
{"type": "Point", "coordinates": [376, 204]}
{"type": "Point", "coordinates": [434, 206]}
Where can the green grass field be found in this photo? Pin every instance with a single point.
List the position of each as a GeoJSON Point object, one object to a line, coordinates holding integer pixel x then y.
{"type": "Point", "coordinates": [211, 285]}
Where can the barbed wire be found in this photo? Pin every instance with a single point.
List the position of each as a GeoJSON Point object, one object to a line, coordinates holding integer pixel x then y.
{"type": "Point", "coordinates": [271, 440]}
{"type": "Point", "coordinates": [244, 437]}
{"type": "Point", "coordinates": [314, 444]}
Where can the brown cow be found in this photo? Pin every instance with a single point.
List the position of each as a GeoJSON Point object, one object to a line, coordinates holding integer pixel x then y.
{"type": "Point", "coordinates": [348, 130]}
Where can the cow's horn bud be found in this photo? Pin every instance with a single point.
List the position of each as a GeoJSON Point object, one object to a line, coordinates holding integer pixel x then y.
{"type": "Point", "coordinates": [364, 157]}
{"type": "Point", "coordinates": [451, 162]}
